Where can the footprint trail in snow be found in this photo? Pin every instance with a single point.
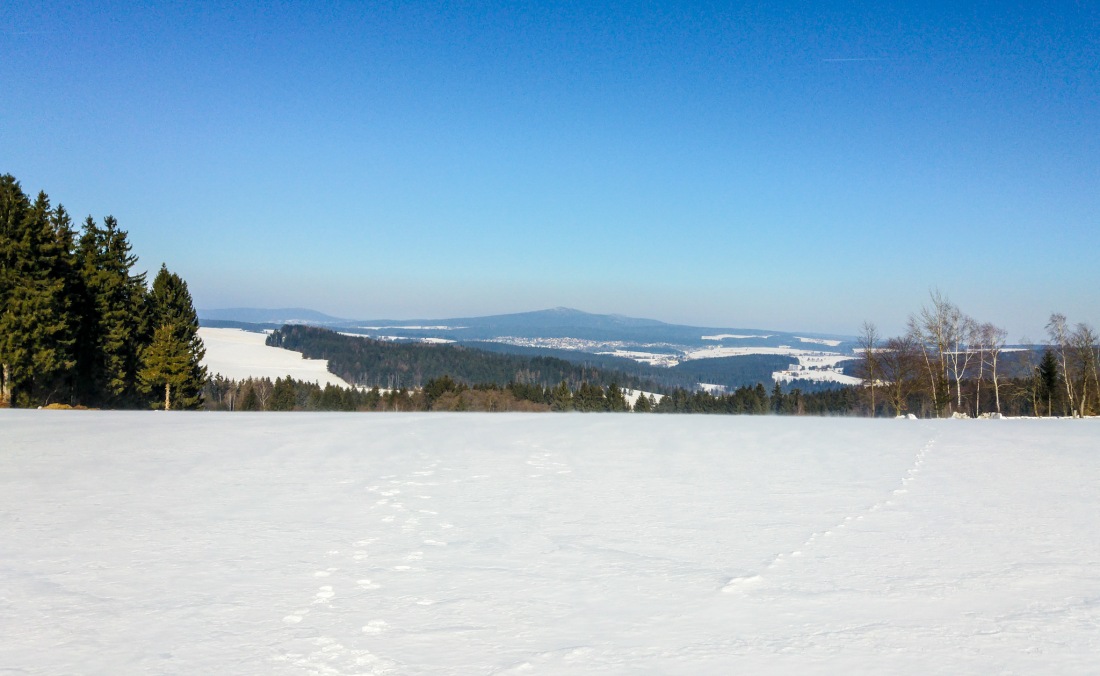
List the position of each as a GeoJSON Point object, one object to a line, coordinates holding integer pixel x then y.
{"type": "Point", "coordinates": [745, 582]}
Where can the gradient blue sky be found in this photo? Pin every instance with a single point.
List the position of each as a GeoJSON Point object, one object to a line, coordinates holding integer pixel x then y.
{"type": "Point", "coordinates": [775, 165]}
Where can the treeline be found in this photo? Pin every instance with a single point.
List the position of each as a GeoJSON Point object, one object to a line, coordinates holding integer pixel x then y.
{"type": "Point", "coordinates": [78, 326]}
{"type": "Point", "coordinates": [733, 372]}
{"type": "Point", "coordinates": [289, 394]}
{"type": "Point", "coordinates": [757, 401]}
{"type": "Point", "coordinates": [387, 365]}
{"type": "Point", "coordinates": [631, 370]}
{"type": "Point", "coordinates": [948, 363]}
{"type": "Point", "coordinates": [447, 394]}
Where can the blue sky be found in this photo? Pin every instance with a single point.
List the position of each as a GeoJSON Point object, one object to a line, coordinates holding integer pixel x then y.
{"type": "Point", "coordinates": [790, 166]}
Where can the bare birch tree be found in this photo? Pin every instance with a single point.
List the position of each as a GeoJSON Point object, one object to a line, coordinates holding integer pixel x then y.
{"type": "Point", "coordinates": [993, 342]}
{"type": "Point", "coordinates": [1083, 343]}
{"type": "Point", "coordinates": [900, 364]}
{"type": "Point", "coordinates": [1060, 339]}
{"type": "Point", "coordinates": [868, 340]}
{"type": "Point", "coordinates": [961, 333]}
{"type": "Point", "coordinates": [930, 331]}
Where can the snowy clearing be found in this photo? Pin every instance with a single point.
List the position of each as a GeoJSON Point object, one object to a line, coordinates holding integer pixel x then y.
{"type": "Point", "coordinates": [239, 354]}
{"type": "Point", "coordinates": [143, 542]}
{"type": "Point", "coordinates": [651, 358]}
{"type": "Point", "coordinates": [819, 341]}
{"type": "Point", "coordinates": [818, 356]}
{"type": "Point", "coordinates": [400, 339]}
{"type": "Point", "coordinates": [815, 375]}
{"type": "Point", "coordinates": [632, 396]}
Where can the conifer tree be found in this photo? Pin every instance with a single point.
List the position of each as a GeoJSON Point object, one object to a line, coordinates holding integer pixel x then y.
{"type": "Point", "coordinates": [616, 400]}
{"type": "Point", "coordinates": [169, 304]}
{"type": "Point", "coordinates": [283, 397]}
{"type": "Point", "coordinates": [165, 362]}
{"type": "Point", "coordinates": [1049, 380]}
{"type": "Point", "coordinates": [114, 319]}
{"type": "Point", "coordinates": [250, 401]}
{"type": "Point", "coordinates": [36, 324]}
{"type": "Point", "coordinates": [14, 206]}
{"type": "Point", "coordinates": [562, 398]}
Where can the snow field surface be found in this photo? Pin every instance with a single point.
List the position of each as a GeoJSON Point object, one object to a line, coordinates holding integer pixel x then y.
{"type": "Point", "coordinates": [239, 354]}
{"type": "Point", "coordinates": [166, 543]}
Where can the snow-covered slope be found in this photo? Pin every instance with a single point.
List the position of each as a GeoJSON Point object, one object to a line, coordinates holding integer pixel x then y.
{"type": "Point", "coordinates": [241, 354]}
{"type": "Point", "coordinates": [546, 544]}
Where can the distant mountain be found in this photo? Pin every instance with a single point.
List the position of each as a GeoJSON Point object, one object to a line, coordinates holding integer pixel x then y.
{"type": "Point", "coordinates": [278, 316]}
{"type": "Point", "coordinates": [643, 348]}
{"type": "Point", "coordinates": [556, 328]}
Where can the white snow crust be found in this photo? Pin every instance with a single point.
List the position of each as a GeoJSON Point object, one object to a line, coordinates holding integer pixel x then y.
{"type": "Point", "coordinates": [239, 354]}
{"type": "Point", "coordinates": [205, 543]}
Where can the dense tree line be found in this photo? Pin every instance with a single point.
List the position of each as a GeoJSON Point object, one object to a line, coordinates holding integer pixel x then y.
{"type": "Point", "coordinates": [733, 372]}
{"type": "Point", "coordinates": [948, 363]}
{"type": "Point", "coordinates": [447, 394]}
{"type": "Point", "coordinates": [373, 363]}
{"type": "Point", "coordinates": [442, 394]}
{"type": "Point", "coordinates": [78, 326]}
{"type": "Point", "coordinates": [628, 370]}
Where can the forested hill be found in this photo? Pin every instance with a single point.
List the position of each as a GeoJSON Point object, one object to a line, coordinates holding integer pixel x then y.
{"type": "Point", "coordinates": [373, 363]}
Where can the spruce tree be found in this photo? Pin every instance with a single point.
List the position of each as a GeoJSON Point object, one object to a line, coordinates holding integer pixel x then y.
{"type": "Point", "coordinates": [14, 206]}
{"type": "Point", "coordinates": [250, 401]}
{"type": "Point", "coordinates": [616, 400]}
{"type": "Point", "coordinates": [165, 363]}
{"type": "Point", "coordinates": [169, 304]}
{"type": "Point", "coordinates": [1050, 379]}
{"type": "Point", "coordinates": [114, 320]}
{"type": "Point", "coordinates": [284, 397]}
{"type": "Point", "coordinates": [36, 324]}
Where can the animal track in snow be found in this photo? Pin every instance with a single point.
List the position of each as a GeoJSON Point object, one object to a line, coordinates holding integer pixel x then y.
{"type": "Point", "coordinates": [740, 583]}
{"type": "Point", "coordinates": [324, 594]}
{"type": "Point", "coordinates": [332, 657]}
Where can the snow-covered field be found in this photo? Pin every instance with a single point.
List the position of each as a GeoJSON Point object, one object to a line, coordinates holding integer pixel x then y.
{"type": "Point", "coordinates": [200, 543]}
{"type": "Point", "coordinates": [814, 375]}
{"type": "Point", "coordinates": [241, 354]}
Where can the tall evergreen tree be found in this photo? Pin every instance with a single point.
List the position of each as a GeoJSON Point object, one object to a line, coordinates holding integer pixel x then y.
{"type": "Point", "coordinates": [169, 304]}
{"type": "Point", "coordinates": [14, 206]}
{"type": "Point", "coordinates": [114, 318]}
{"type": "Point", "coordinates": [1049, 381]}
{"type": "Point", "coordinates": [164, 362]}
{"type": "Point", "coordinates": [36, 324]}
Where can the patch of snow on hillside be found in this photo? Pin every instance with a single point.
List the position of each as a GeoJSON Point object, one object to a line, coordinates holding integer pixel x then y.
{"type": "Point", "coordinates": [239, 354]}
{"type": "Point", "coordinates": [400, 339]}
{"type": "Point", "coordinates": [819, 376]}
{"type": "Point", "coordinates": [266, 543]}
{"type": "Point", "coordinates": [822, 367]}
{"type": "Point", "coordinates": [651, 358]}
{"type": "Point", "coordinates": [411, 328]}
{"type": "Point", "coordinates": [735, 336]}
{"type": "Point", "coordinates": [726, 351]}
{"type": "Point", "coordinates": [632, 396]}
{"type": "Point", "coordinates": [820, 341]}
